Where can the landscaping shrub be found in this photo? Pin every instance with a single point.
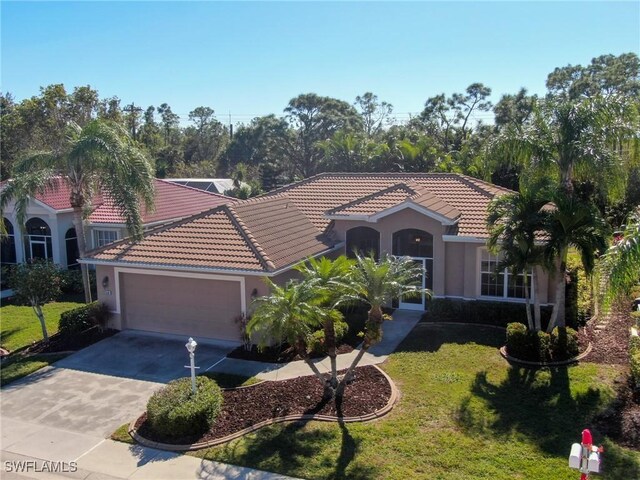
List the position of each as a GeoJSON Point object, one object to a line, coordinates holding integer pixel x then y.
{"type": "Point", "coordinates": [479, 311]}
{"type": "Point", "coordinates": [520, 344]}
{"type": "Point", "coordinates": [174, 411]}
{"type": "Point", "coordinates": [82, 318]}
{"type": "Point", "coordinates": [578, 299]}
{"type": "Point", "coordinates": [72, 281]}
{"type": "Point", "coordinates": [634, 360]}
{"type": "Point", "coordinates": [542, 342]}
{"type": "Point", "coordinates": [564, 343]}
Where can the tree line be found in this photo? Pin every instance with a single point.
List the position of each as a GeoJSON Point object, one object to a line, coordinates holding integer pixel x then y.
{"type": "Point", "coordinates": [317, 134]}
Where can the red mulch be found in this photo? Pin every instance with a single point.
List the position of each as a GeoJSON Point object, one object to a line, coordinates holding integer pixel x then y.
{"type": "Point", "coordinates": [611, 345]}
{"type": "Point", "coordinates": [368, 392]}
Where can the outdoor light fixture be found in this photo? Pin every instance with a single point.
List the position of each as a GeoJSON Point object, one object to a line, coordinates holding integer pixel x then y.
{"type": "Point", "coordinates": [417, 239]}
{"type": "Point", "coordinates": [254, 293]}
{"type": "Point", "coordinates": [105, 282]}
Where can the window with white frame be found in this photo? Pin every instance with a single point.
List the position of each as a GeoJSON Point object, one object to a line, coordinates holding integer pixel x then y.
{"type": "Point", "coordinates": [104, 237]}
{"type": "Point", "coordinates": [500, 283]}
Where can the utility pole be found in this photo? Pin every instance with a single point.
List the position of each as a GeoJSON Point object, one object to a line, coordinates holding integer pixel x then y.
{"type": "Point", "coordinates": [230, 127]}
{"type": "Point", "coordinates": [133, 118]}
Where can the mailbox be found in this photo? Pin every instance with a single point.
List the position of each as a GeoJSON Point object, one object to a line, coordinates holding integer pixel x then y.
{"type": "Point", "coordinates": [576, 456]}
{"type": "Point", "coordinates": [594, 462]}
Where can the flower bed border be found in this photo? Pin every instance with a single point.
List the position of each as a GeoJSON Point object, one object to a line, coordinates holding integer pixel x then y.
{"type": "Point", "coordinates": [395, 394]}
{"type": "Point", "coordinates": [576, 359]}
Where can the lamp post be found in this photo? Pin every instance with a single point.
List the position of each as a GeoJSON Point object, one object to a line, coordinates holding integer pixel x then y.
{"type": "Point", "coordinates": [191, 348]}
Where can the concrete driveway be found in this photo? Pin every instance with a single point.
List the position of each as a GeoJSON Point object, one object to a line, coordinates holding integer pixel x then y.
{"type": "Point", "coordinates": [66, 410]}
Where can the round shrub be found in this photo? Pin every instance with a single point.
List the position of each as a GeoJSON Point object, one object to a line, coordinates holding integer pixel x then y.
{"type": "Point", "coordinates": [564, 343]}
{"type": "Point", "coordinates": [520, 343]}
{"type": "Point", "coordinates": [174, 411]}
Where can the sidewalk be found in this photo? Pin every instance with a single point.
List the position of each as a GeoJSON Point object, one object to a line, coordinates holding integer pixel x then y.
{"type": "Point", "coordinates": [394, 332]}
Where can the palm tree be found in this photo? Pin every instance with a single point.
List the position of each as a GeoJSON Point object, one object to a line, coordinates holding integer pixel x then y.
{"type": "Point", "coordinates": [290, 314]}
{"type": "Point", "coordinates": [376, 284]}
{"type": "Point", "coordinates": [572, 223]}
{"type": "Point", "coordinates": [100, 157]}
{"type": "Point", "coordinates": [514, 221]}
{"type": "Point", "coordinates": [620, 266]}
{"type": "Point", "coordinates": [330, 279]}
{"type": "Point", "coordinates": [573, 140]}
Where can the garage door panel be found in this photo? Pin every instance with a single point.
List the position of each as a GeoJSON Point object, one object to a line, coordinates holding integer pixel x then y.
{"type": "Point", "coordinates": [185, 306]}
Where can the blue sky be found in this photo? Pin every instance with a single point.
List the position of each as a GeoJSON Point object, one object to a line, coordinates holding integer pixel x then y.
{"type": "Point", "coordinates": [251, 58]}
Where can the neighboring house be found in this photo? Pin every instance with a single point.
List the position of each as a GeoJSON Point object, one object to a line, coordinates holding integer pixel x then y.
{"type": "Point", "coordinates": [213, 185]}
{"type": "Point", "coordinates": [49, 231]}
{"type": "Point", "coordinates": [196, 276]}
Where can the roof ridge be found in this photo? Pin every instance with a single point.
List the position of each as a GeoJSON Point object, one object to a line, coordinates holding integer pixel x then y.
{"type": "Point", "coordinates": [251, 240]}
{"type": "Point", "coordinates": [484, 185]}
{"type": "Point", "coordinates": [173, 184]}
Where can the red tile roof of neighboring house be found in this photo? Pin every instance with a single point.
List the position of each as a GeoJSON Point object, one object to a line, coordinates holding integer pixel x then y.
{"type": "Point", "coordinates": [245, 236]}
{"type": "Point", "coordinates": [172, 201]}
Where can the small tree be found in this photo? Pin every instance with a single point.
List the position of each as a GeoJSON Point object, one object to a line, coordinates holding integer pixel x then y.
{"type": "Point", "coordinates": [36, 283]}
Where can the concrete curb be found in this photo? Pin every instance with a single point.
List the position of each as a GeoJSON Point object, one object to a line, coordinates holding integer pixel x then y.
{"type": "Point", "coordinates": [506, 356]}
{"type": "Point", "coordinates": [395, 394]}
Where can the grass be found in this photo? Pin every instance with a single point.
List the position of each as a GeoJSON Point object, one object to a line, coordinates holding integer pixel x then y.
{"type": "Point", "coordinates": [20, 326]}
{"type": "Point", "coordinates": [464, 413]}
{"type": "Point", "coordinates": [122, 435]}
{"type": "Point", "coordinates": [13, 370]}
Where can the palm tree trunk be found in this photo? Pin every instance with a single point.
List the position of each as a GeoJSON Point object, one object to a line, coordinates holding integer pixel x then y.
{"type": "Point", "coordinates": [302, 351]}
{"type": "Point", "coordinates": [535, 288]}
{"type": "Point", "coordinates": [557, 314]}
{"type": "Point", "coordinates": [330, 343]}
{"type": "Point", "coordinates": [527, 301]}
{"type": "Point", "coordinates": [343, 384]}
{"type": "Point", "coordinates": [78, 223]}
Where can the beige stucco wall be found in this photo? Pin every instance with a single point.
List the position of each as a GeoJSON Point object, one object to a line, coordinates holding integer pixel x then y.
{"type": "Point", "coordinates": [455, 269]}
{"type": "Point", "coordinates": [401, 220]}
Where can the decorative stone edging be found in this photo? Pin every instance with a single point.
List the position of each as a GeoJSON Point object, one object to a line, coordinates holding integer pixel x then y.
{"type": "Point", "coordinates": [289, 418]}
{"type": "Point", "coordinates": [506, 356]}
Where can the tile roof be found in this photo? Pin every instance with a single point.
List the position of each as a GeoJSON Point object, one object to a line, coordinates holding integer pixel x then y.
{"type": "Point", "coordinates": [407, 192]}
{"type": "Point", "coordinates": [319, 194]}
{"type": "Point", "coordinates": [172, 201]}
{"type": "Point", "coordinates": [245, 236]}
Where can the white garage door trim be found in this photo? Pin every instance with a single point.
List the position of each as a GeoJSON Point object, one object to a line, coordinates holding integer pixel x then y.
{"type": "Point", "coordinates": [164, 273]}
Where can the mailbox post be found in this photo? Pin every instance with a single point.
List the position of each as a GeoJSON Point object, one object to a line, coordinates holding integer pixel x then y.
{"type": "Point", "coordinates": [191, 348]}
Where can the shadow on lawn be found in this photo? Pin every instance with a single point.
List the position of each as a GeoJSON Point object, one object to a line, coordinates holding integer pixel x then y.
{"type": "Point", "coordinates": [539, 404]}
{"type": "Point", "coordinates": [429, 337]}
{"type": "Point", "coordinates": [289, 446]}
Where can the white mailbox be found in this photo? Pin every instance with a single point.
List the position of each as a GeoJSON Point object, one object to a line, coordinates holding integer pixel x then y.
{"type": "Point", "coordinates": [594, 462]}
{"type": "Point", "coordinates": [576, 456]}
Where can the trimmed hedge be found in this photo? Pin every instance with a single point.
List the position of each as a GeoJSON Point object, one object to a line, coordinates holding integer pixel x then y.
{"type": "Point", "coordinates": [72, 281]}
{"type": "Point", "coordinates": [634, 360]}
{"type": "Point", "coordinates": [174, 411]}
{"type": "Point", "coordinates": [82, 318]}
{"type": "Point", "coordinates": [479, 311]}
{"type": "Point", "coordinates": [561, 344]}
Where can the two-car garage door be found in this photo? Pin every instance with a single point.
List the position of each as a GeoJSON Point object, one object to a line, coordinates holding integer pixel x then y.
{"type": "Point", "coordinates": [195, 307]}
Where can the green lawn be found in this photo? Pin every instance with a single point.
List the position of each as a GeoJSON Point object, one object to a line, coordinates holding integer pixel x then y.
{"type": "Point", "coordinates": [20, 327]}
{"type": "Point", "coordinates": [464, 413]}
{"type": "Point", "coordinates": [14, 369]}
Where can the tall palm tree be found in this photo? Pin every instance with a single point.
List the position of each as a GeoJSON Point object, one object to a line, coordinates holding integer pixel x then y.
{"type": "Point", "coordinates": [572, 223]}
{"type": "Point", "coordinates": [330, 279]}
{"type": "Point", "coordinates": [290, 313]}
{"type": "Point", "coordinates": [98, 158]}
{"type": "Point", "coordinates": [620, 266]}
{"type": "Point", "coordinates": [376, 284]}
{"type": "Point", "coordinates": [515, 222]}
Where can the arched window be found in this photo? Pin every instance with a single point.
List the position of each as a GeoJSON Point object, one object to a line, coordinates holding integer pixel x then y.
{"type": "Point", "coordinates": [38, 239]}
{"type": "Point", "coordinates": [417, 244]}
{"type": "Point", "coordinates": [363, 240]}
{"type": "Point", "coordinates": [71, 243]}
{"type": "Point", "coordinates": [8, 244]}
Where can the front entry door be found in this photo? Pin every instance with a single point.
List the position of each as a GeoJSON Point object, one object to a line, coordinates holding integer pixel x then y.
{"type": "Point", "coordinates": [415, 303]}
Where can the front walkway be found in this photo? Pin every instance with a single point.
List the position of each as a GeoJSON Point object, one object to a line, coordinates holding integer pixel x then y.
{"type": "Point", "coordinates": [394, 332]}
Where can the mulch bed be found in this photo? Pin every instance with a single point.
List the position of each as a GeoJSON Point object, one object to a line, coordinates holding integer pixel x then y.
{"type": "Point", "coordinates": [243, 407]}
{"type": "Point", "coordinates": [611, 345]}
{"type": "Point", "coordinates": [621, 421]}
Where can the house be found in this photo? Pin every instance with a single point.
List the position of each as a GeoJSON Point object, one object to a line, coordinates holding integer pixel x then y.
{"type": "Point", "coordinates": [213, 185]}
{"type": "Point", "coordinates": [49, 231]}
{"type": "Point", "coordinates": [195, 276]}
